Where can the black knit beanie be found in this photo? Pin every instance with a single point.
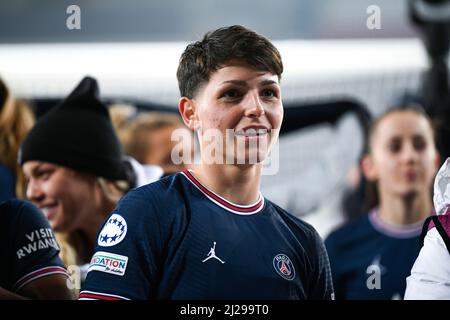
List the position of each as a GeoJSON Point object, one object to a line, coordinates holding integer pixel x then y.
{"type": "Point", "coordinates": [77, 134]}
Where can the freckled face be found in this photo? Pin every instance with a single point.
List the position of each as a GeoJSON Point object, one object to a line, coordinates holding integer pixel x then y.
{"type": "Point", "coordinates": [245, 101]}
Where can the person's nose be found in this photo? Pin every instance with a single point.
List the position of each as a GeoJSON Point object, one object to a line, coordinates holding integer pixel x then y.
{"type": "Point", "coordinates": [254, 106]}
{"type": "Point", "coordinates": [34, 192]}
{"type": "Point", "coordinates": [409, 153]}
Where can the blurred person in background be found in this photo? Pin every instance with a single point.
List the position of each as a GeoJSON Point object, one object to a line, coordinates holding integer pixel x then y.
{"type": "Point", "coordinates": [76, 171]}
{"type": "Point", "coordinates": [120, 114]}
{"type": "Point", "coordinates": [430, 275]}
{"type": "Point", "coordinates": [147, 137]}
{"type": "Point", "coordinates": [16, 119]}
{"type": "Point", "coordinates": [371, 256]}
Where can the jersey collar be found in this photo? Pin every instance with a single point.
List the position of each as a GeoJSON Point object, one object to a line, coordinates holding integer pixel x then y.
{"type": "Point", "coordinates": [222, 202]}
{"type": "Point", "coordinates": [402, 232]}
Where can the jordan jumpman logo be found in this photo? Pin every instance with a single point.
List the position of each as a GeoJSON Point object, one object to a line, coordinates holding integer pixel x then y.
{"type": "Point", "coordinates": [212, 254]}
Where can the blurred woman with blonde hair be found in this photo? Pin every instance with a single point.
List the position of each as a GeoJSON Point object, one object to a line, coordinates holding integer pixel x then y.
{"type": "Point", "coordinates": [77, 172]}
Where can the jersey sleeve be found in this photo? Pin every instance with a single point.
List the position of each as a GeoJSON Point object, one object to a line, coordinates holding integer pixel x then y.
{"type": "Point", "coordinates": [430, 274]}
{"type": "Point", "coordinates": [125, 264]}
{"type": "Point", "coordinates": [34, 250]}
{"type": "Point", "coordinates": [322, 287]}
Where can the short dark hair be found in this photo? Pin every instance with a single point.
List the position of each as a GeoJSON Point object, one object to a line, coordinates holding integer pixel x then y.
{"type": "Point", "coordinates": [201, 58]}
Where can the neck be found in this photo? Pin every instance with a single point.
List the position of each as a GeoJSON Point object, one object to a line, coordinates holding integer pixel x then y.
{"type": "Point", "coordinates": [92, 225]}
{"type": "Point", "coordinates": [405, 210]}
{"type": "Point", "coordinates": [238, 184]}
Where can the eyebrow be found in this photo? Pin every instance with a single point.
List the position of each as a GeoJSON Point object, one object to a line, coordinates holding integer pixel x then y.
{"type": "Point", "coordinates": [33, 171]}
{"type": "Point", "coordinates": [243, 83]}
{"type": "Point", "coordinates": [268, 82]}
{"type": "Point", "coordinates": [36, 169]}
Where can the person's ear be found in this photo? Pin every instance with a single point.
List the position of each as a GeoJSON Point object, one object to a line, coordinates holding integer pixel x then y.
{"type": "Point", "coordinates": [105, 189]}
{"type": "Point", "coordinates": [368, 168]}
{"type": "Point", "coordinates": [187, 110]}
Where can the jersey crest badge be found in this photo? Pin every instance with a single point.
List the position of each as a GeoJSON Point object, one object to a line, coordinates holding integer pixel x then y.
{"type": "Point", "coordinates": [284, 266]}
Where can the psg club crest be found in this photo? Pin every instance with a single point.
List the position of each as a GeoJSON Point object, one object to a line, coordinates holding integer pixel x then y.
{"type": "Point", "coordinates": [113, 232]}
{"type": "Point", "coordinates": [284, 266]}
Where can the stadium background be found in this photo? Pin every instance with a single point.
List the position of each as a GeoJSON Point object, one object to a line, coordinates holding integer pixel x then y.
{"type": "Point", "coordinates": [331, 58]}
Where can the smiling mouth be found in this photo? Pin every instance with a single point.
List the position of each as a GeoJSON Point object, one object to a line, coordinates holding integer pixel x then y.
{"type": "Point", "coordinates": [49, 211]}
{"type": "Point", "coordinates": [251, 133]}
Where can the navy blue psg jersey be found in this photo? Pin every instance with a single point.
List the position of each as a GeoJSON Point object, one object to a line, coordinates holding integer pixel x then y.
{"type": "Point", "coordinates": [175, 239]}
{"type": "Point", "coordinates": [29, 250]}
{"type": "Point", "coordinates": [371, 260]}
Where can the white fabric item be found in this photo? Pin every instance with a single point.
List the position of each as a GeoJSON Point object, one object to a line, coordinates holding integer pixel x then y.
{"type": "Point", "coordinates": [430, 274]}
{"type": "Point", "coordinates": [83, 272]}
{"type": "Point", "coordinates": [145, 174]}
{"type": "Point", "coordinates": [441, 197]}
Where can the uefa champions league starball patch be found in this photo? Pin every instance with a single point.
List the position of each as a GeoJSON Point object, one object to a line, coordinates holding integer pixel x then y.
{"type": "Point", "coordinates": [113, 232]}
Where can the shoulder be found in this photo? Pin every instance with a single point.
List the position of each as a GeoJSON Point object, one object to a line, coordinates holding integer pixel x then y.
{"type": "Point", "coordinates": [7, 183]}
{"type": "Point", "coordinates": [430, 280]}
{"type": "Point", "coordinates": [346, 231]}
{"type": "Point", "coordinates": [439, 230]}
{"type": "Point", "coordinates": [166, 188]}
{"type": "Point", "coordinates": [314, 254]}
{"type": "Point", "coordinates": [5, 172]}
{"type": "Point", "coordinates": [158, 200]}
{"type": "Point", "coordinates": [145, 219]}
{"type": "Point", "coordinates": [17, 211]}
{"type": "Point", "coordinates": [300, 228]}
{"type": "Point", "coordinates": [444, 221]}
